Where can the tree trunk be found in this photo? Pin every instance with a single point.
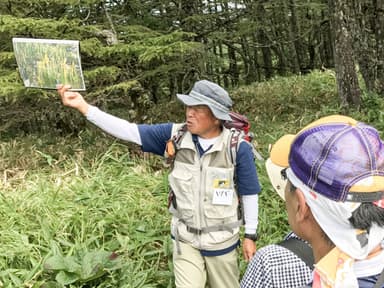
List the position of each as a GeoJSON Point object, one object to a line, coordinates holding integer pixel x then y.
{"type": "Point", "coordinates": [326, 40]}
{"type": "Point", "coordinates": [232, 69]}
{"type": "Point", "coordinates": [346, 76]}
{"type": "Point", "coordinates": [255, 60]}
{"type": "Point", "coordinates": [296, 37]}
{"type": "Point", "coordinates": [263, 40]}
{"type": "Point", "coordinates": [365, 50]}
{"type": "Point", "coordinates": [283, 49]}
{"type": "Point", "coordinates": [223, 74]}
{"type": "Point", "coordinates": [379, 36]}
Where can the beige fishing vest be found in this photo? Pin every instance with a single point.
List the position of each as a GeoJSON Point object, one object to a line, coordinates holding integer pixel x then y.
{"type": "Point", "coordinates": [206, 212]}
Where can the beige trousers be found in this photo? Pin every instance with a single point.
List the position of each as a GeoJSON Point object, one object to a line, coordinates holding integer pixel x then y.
{"type": "Point", "coordinates": [192, 270]}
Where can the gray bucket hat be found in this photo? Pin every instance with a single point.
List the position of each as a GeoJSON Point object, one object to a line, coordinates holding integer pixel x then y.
{"type": "Point", "coordinates": [208, 93]}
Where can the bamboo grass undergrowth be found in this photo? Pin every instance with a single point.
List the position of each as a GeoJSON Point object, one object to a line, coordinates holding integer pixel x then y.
{"type": "Point", "coordinates": [72, 207]}
{"type": "Point", "coordinates": [102, 201]}
{"type": "Point", "coordinates": [89, 211]}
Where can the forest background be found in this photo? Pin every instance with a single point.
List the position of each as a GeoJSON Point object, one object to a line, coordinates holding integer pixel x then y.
{"type": "Point", "coordinates": [82, 210]}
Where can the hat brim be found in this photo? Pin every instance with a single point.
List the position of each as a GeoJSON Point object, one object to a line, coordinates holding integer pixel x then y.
{"type": "Point", "coordinates": [193, 100]}
{"type": "Point", "coordinates": [274, 174]}
{"type": "Point", "coordinates": [277, 161]}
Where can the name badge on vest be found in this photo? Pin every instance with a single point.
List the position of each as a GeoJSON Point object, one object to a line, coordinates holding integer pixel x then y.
{"type": "Point", "coordinates": [222, 193]}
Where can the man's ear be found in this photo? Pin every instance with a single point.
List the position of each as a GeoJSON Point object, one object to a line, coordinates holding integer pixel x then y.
{"type": "Point", "coordinates": [303, 211]}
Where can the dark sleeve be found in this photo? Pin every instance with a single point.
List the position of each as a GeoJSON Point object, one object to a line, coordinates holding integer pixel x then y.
{"type": "Point", "coordinates": [247, 179]}
{"type": "Point", "coordinates": [154, 137]}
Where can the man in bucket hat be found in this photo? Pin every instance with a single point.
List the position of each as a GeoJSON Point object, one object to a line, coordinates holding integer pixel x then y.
{"type": "Point", "coordinates": [334, 192]}
{"type": "Point", "coordinates": [204, 199]}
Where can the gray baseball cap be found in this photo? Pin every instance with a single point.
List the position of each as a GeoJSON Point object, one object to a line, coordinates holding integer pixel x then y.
{"type": "Point", "coordinates": [208, 93]}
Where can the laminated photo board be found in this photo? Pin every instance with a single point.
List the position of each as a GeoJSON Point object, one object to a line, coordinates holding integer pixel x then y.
{"type": "Point", "coordinates": [45, 63]}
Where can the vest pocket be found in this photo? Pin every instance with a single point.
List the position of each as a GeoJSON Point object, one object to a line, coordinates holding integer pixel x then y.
{"type": "Point", "coordinates": [218, 214]}
{"type": "Point", "coordinates": [181, 182]}
{"type": "Point", "coordinates": [222, 217]}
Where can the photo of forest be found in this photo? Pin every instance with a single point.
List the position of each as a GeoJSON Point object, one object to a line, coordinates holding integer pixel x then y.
{"type": "Point", "coordinates": [44, 63]}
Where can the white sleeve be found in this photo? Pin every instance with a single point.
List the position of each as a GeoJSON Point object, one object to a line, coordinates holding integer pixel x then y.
{"type": "Point", "coordinates": [251, 212]}
{"type": "Point", "coordinates": [115, 126]}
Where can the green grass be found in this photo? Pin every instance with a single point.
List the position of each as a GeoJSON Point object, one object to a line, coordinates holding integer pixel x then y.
{"type": "Point", "coordinates": [72, 205]}
{"type": "Point", "coordinates": [69, 204]}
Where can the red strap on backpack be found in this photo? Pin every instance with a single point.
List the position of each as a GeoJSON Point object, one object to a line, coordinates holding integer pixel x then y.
{"type": "Point", "coordinates": [239, 122]}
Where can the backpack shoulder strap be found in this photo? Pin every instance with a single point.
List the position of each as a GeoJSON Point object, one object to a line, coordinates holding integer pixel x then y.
{"type": "Point", "coordinates": [179, 133]}
{"type": "Point", "coordinates": [173, 144]}
{"type": "Point", "coordinates": [380, 280]}
{"type": "Point", "coordinates": [301, 250]}
{"type": "Point", "coordinates": [235, 136]}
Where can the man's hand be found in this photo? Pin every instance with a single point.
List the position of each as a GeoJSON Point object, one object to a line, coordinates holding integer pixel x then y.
{"type": "Point", "coordinates": [249, 249]}
{"type": "Point", "coordinates": [72, 99]}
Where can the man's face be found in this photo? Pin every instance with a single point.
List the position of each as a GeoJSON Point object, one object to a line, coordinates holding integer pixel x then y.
{"type": "Point", "coordinates": [290, 205]}
{"type": "Point", "coordinates": [295, 211]}
{"type": "Point", "coordinates": [200, 121]}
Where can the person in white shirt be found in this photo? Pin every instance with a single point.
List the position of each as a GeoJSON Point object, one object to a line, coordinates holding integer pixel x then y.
{"type": "Point", "coordinates": [204, 197]}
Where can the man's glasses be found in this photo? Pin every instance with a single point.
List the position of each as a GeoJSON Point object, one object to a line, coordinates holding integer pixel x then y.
{"type": "Point", "coordinates": [283, 174]}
